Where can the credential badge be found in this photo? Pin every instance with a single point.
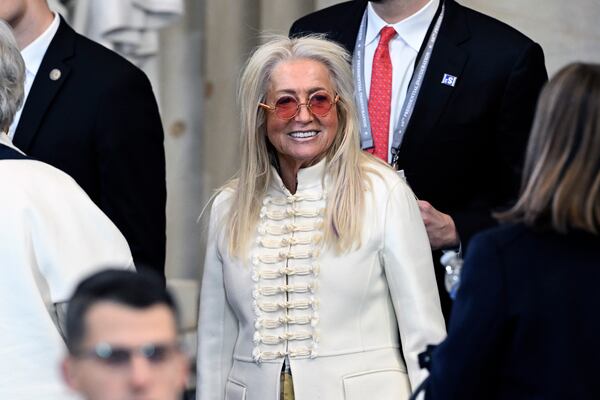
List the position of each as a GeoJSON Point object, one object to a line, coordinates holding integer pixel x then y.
{"type": "Point", "coordinates": [449, 80]}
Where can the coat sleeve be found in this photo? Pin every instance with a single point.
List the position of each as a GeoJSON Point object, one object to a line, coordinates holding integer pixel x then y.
{"type": "Point", "coordinates": [510, 132]}
{"type": "Point", "coordinates": [131, 159]}
{"type": "Point", "coordinates": [218, 326]}
{"type": "Point", "coordinates": [409, 271]}
{"type": "Point", "coordinates": [464, 365]}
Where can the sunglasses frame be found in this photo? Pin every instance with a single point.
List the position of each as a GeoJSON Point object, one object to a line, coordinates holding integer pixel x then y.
{"type": "Point", "coordinates": [273, 108]}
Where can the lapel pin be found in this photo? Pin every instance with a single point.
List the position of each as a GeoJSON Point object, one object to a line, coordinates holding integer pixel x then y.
{"type": "Point", "coordinates": [449, 80]}
{"type": "Point", "coordinates": [55, 74]}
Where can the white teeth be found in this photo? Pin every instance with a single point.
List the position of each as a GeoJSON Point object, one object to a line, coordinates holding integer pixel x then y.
{"type": "Point", "coordinates": [300, 135]}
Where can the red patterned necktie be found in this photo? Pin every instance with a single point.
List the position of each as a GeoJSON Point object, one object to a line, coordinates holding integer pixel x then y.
{"type": "Point", "coordinates": [380, 95]}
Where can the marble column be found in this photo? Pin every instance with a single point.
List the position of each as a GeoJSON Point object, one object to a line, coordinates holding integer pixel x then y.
{"type": "Point", "coordinates": [232, 29]}
{"type": "Point", "coordinates": [181, 103]}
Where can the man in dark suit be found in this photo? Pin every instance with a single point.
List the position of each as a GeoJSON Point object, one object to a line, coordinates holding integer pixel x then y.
{"type": "Point", "coordinates": [464, 143]}
{"type": "Point", "coordinates": [92, 114]}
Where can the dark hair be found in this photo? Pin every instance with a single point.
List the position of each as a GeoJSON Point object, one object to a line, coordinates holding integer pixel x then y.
{"type": "Point", "coordinates": [561, 180]}
{"type": "Point", "coordinates": [136, 290]}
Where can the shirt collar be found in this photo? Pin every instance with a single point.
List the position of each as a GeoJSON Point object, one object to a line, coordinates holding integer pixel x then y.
{"type": "Point", "coordinates": [411, 30]}
{"type": "Point", "coordinates": [34, 52]}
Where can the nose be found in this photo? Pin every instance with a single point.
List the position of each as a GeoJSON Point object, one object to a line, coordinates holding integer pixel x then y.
{"type": "Point", "coordinates": [303, 114]}
{"type": "Point", "coordinates": [140, 372]}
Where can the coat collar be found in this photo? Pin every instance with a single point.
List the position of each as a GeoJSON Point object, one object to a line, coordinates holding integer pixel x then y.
{"type": "Point", "coordinates": [346, 31]}
{"type": "Point", "coordinates": [6, 142]}
{"type": "Point", "coordinates": [309, 178]}
{"type": "Point", "coordinates": [53, 72]}
{"type": "Point", "coordinates": [8, 152]}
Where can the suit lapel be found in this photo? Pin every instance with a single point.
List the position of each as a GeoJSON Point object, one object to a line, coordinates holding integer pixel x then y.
{"type": "Point", "coordinates": [447, 58]}
{"type": "Point", "coordinates": [349, 24]}
{"type": "Point", "coordinates": [53, 72]}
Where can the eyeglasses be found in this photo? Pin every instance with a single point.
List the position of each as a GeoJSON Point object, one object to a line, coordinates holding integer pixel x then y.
{"type": "Point", "coordinates": [287, 107]}
{"type": "Point", "coordinates": [118, 356]}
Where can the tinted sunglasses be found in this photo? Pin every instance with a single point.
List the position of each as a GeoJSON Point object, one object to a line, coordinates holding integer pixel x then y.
{"type": "Point", "coordinates": [117, 356]}
{"type": "Point", "coordinates": [287, 107]}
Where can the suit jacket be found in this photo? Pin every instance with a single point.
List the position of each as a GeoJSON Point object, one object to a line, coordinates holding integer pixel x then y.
{"type": "Point", "coordinates": [99, 123]}
{"type": "Point", "coordinates": [525, 322]}
{"type": "Point", "coordinates": [464, 145]}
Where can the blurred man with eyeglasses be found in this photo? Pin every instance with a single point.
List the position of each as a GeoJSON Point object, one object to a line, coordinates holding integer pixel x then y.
{"type": "Point", "coordinates": [121, 333]}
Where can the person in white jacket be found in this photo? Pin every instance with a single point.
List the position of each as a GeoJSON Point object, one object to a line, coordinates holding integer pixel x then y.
{"type": "Point", "coordinates": [318, 279]}
{"type": "Point", "coordinates": [51, 236]}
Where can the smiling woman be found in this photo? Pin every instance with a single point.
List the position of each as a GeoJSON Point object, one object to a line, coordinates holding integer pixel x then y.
{"type": "Point", "coordinates": [302, 139]}
{"type": "Point", "coordinates": [317, 255]}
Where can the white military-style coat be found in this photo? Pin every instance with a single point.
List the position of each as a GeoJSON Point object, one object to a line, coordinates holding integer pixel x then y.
{"type": "Point", "coordinates": [342, 320]}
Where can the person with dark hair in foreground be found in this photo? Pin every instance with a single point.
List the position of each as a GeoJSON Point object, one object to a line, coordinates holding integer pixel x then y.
{"type": "Point", "coordinates": [121, 333]}
{"type": "Point", "coordinates": [525, 322]}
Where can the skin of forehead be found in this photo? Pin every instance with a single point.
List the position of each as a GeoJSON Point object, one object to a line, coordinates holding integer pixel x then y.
{"type": "Point", "coordinates": [123, 325]}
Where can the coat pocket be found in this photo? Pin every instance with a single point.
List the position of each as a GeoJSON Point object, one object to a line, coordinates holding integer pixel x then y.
{"type": "Point", "coordinates": [381, 384]}
{"type": "Point", "coordinates": [235, 390]}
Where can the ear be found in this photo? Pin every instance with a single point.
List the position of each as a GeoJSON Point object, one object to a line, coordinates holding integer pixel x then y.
{"type": "Point", "coordinates": [184, 368]}
{"type": "Point", "coordinates": [69, 372]}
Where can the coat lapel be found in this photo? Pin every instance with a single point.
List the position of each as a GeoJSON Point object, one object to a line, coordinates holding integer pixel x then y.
{"type": "Point", "coordinates": [348, 25]}
{"type": "Point", "coordinates": [53, 72]}
{"type": "Point", "coordinates": [352, 24]}
{"type": "Point", "coordinates": [447, 58]}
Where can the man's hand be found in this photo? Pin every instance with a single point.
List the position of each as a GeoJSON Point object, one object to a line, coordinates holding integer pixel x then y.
{"type": "Point", "coordinates": [440, 227]}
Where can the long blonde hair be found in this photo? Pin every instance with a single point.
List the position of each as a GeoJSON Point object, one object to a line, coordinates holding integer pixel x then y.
{"type": "Point", "coordinates": [346, 163]}
{"type": "Point", "coordinates": [561, 181]}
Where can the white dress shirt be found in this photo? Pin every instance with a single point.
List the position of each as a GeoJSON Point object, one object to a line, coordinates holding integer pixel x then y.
{"type": "Point", "coordinates": [404, 48]}
{"type": "Point", "coordinates": [33, 55]}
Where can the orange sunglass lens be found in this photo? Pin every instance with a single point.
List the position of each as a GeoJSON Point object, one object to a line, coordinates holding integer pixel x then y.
{"type": "Point", "coordinates": [319, 104]}
{"type": "Point", "coordinates": [286, 107]}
